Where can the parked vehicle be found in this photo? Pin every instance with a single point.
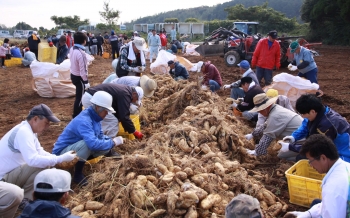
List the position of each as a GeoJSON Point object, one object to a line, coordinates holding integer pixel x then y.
{"type": "Point", "coordinates": [18, 34]}
{"type": "Point", "coordinates": [60, 32]}
{"type": "Point", "coordinates": [5, 34]}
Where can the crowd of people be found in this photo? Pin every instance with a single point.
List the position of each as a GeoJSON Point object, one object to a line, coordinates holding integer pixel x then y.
{"type": "Point", "coordinates": [311, 130]}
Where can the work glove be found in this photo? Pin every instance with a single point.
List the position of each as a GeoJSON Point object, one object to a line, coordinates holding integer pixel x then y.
{"type": "Point", "coordinates": [292, 67]}
{"type": "Point", "coordinates": [234, 104]}
{"type": "Point", "coordinates": [204, 87]}
{"type": "Point", "coordinates": [135, 69]}
{"type": "Point", "coordinates": [143, 69]}
{"type": "Point", "coordinates": [66, 157]}
{"type": "Point", "coordinates": [251, 152]}
{"type": "Point", "coordinates": [285, 146]}
{"type": "Point", "coordinates": [227, 86]}
{"type": "Point", "coordinates": [289, 139]}
{"type": "Point", "coordinates": [240, 99]}
{"type": "Point", "coordinates": [138, 134]}
{"type": "Point", "coordinates": [298, 214]}
{"type": "Point", "coordinates": [133, 109]}
{"type": "Point", "coordinates": [87, 85]}
{"type": "Point", "coordinates": [118, 140]}
{"type": "Point", "coordinates": [248, 136]}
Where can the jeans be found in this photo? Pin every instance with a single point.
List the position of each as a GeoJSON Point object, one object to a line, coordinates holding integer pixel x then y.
{"type": "Point", "coordinates": [153, 51]}
{"type": "Point", "coordinates": [237, 93]}
{"type": "Point", "coordinates": [99, 50]}
{"type": "Point", "coordinates": [83, 151]}
{"type": "Point", "coordinates": [115, 49]}
{"type": "Point", "coordinates": [79, 91]}
{"type": "Point", "coordinates": [214, 86]}
{"type": "Point", "coordinates": [311, 75]}
{"type": "Point", "coordinates": [249, 115]}
{"type": "Point", "coordinates": [264, 73]}
{"type": "Point", "coordinates": [94, 49]}
{"type": "Point", "coordinates": [288, 155]}
{"type": "Point", "coordinates": [87, 50]}
{"type": "Point", "coordinates": [179, 78]}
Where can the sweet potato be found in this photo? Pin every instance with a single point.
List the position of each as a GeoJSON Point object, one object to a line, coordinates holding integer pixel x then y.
{"type": "Point", "coordinates": [231, 166]}
{"type": "Point", "coordinates": [138, 195]}
{"type": "Point", "coordinates": [205, 148]}
{"type": "Point", "coordinates": [171, 202]}
{"type": "Point", "coordinates": [67, 165]}
{"type": "Point", "coordinates": [78, 209]}
{"type": "Point", "coordinates": [188, 171]}
{"type": "Point", "coordinates": [275, 209]}
{"type": "Point", "coordinates": [197, 179]}
{"type": "Point", "coordinates": [130, 176]}
{"type": "Point", "coordinates": [181, 175]}
{"type": "Point", "coordinates": [184, 146]}
{"type": "Point", "coordinates": [157, 213]}
{"type": "Point", "coordinates": [152, 179]}
{"type": "Point", "coordinates": [167, 177]}
{"type": "Point", "coordinates": [194, 138]}
{"type": "Point", "coordinates": [268, 197]}
{"type": "Point", "coordinates": [152, 188]}
{"type": "Point", "coordinates": [187, 199]}
{"type": "Point", "coordinates": [201, 193]}
{"type": "Point", "coordinates": [176, 169]}
{"type": "Point", "coordinates": [116, 213]}
{"type": "Point", "coordinates": [160, 199]}
{"type": "Point", "coordinates": [191, 213]}
{"type": "Point", "coordinates": [162, 168]}
{"type": "Point", "coordinates": [93, 205]}
{"type": "Point", "coordinates": [219, 169]}
{"type": "Point", "coordinates": [179, 212]}
{"type": "Point", "coordinates": [206, 126]}
{"type": "Point", "coordinates": [212, 130]}
{"type": "Point", "coordinates": [141, 180]}
{"type": "Point", "coordinates": [209, 201]}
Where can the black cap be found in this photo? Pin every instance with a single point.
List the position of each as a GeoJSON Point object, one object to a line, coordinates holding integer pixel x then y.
{"type": "Point", "coordinates": [273, 34]}
{"type": "Point", "coordinates": [44, 110]}
{"type": "Point", "coordinates": [69, 31]}
{"type": "Point", "coordinates": [246, 79]}
{"type": "Point", "coordinates": [170, 62]}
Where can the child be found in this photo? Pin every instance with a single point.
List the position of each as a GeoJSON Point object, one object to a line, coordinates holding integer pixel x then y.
{"type": "Point", "coordinates": [3, 51]}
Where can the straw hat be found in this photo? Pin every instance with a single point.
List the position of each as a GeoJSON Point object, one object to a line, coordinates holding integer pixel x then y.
{"type": "Point", "coordinates": [261, 102]}
{"type": "Point", "coordinates": [148, 85]}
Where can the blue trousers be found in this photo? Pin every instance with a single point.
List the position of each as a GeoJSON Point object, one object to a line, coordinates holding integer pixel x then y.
{"type": "Point", "coordinates": [264, 73]}
{"type": "Point", "coordinates": [83, 151]}
{"type": "Point", "coordinates": [311, 75]}
{"type": "Point", "coordinates": [214, 86]}
{"type": "Point", "coordinates": [237, 93]}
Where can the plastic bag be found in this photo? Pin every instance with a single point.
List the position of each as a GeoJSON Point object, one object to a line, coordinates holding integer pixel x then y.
{"type": "Point", "coordinates": [160, 65]}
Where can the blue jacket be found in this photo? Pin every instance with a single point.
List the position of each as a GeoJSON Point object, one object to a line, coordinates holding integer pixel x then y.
{"type": "Point", "coordinates": [180, 70]}
{"type": "Point", "coordinates": [16, 52]}
{"type": "Point", "coordinates": [305, 55]}
{"type": "Point", "coordinates": [329, 123]}
{"type": "Point", "coordinates": [62, 53]}
{"type": "Point", "coordinates": [44, 209]}
{"type": "Point", "coordinates": [86, 126]}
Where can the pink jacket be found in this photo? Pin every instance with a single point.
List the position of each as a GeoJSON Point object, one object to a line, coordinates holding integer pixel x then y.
{"type": "Point", "coordinates": [211, 73]}
{"type": "Point", "coordinates": [3, 51]}
{"type": "Point", "coordinates": [78, 63]}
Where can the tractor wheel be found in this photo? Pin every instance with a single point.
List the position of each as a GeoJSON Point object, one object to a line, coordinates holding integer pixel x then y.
{"type": "Point", "coordinates": [232, 58]}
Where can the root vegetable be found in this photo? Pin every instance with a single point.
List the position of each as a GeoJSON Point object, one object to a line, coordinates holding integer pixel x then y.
{"type": "Point", "coordinates": [219, 169]}
{"type": "Point", "coordinates": [205, 148]}
{"type": "Point", "coordinates": [168, 177]}
{"type": "Point", "coordinates": [224, 186]}
{"type": "Point", "coordinates": [109, 196]}
{"type": "Point", "coordinates": [176, 169]}
{"type": "Point", "coordinates": [179, 212]}
{"type": "Point", "coordinates": [263, 205]}
{"type": "Point", "coordinates": [171, 202]}
{"type": "Point", "coordinates": [208, 156]}
{"type": "Point", "coordinates": [212, 130]}
{"type": "Point", "coordinates": [181, 175]}
{"type": "Point", "coordinates": [191, 213]}
{"type": "Point", "coordinates": [152, 179]}
{"type": "Point", "coordinates": [194, 138]}
{"type": "Point", "coordinates": [213, 215]}
{"type": "Point", "coordinates": [93, 205]}
{"type": "Point", "coordinates": [152, 188]}
{"type": "Point", "coordinates": [138, 195]}
{"type": "Point", "coordinates": [187, 199]}
{"type": "Point", "coordinates": [161, 199]}
{"type": "Point", "coordinates": [268, 197]}
{"type": "Point", "coordinates": [67, 165]}
{"type": "Point", "coordinates": [201, 193]}
{"type": "Point", "coordinates": [275, 209]}
{"type": "Point", "coordinates": [116, 213]}
{"type": "Point", "coordinates": [184, 146]}
{"type": "Point", "coordinates": [231, 166]}
{"type": "Point", "coordinates": [130, 176]}
{"type": "Point", "coordinates": [209, 201]}
{"type": "Point", "coordinates": [196, 149]}
{"type": "Point", "coordinates": [197, 179]}
{"type": "Point", "coordinates": [188, 171]}
{"type": "Point", "coordinates": [157, 213]}
{"type": "Point", "coordinates": [162, 168]}
{"type": "Point", "coordinates": [284, 208]}
{"type": "Point", "coordinates": [141, 180]}
{"type": "Point", "coordinates": [167, 161]}
{"type": "Point", "coordinates": [78, 209]}
{"type": "Point", "coordinates": [206, 126]}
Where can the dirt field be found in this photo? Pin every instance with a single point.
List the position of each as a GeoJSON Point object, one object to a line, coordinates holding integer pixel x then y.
{"type": "Point", "coordinates": [17, 98]}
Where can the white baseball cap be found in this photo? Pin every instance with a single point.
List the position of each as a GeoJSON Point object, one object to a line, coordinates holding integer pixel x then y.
{"type": "Point", "coordinates": [59, 180]}
{"type": "Point", "coordinates": [139, 91]}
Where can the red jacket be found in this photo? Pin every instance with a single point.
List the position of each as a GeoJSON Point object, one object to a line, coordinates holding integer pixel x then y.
{"type": "Point", "coordinates": [68, 42]}
{"type": "Point", "coordinates": [267, 58]}
{"type": "Point", "coordinates": [163, 39]}
{"type": "Point", "coordinates": [211, 73]}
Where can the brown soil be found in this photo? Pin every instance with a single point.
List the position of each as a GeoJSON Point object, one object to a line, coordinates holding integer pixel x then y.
{"type": "Point", "coordinates": [18, 97]}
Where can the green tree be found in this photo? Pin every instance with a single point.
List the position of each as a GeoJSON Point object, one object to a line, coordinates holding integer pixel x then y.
{"type": "Point", "coordinates": [69, 21]}
{"type": "Point", "coordinates": [192, 20]}
{"type": "Point", "coordinates": [23, 26]}
{"type": "Point", "coordinates": [171, 20]}
{"type": "Point", "coordinates": [109, 15]}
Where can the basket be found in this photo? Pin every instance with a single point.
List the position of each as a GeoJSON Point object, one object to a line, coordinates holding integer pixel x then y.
{"type": "Point", "coordinates": [136, 121]}
{"type": "Point", "coordinates": [304, 184]}
{"type": "Point", "coordinates": [105, 55]}
{"type": "Point", "coordinates": [13, 62]}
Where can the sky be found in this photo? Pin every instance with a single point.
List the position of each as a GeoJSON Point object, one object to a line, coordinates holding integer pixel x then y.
{"type": "Point", "coordinates": [38, 12]}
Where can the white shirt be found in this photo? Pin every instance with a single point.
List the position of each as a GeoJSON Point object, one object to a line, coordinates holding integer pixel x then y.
{"type": "Point", "coordinates": [127, 80]}
{"type": "Point", "coordinates": [21, 148]}
{"type": "Point", "coordinates": [335, 188]}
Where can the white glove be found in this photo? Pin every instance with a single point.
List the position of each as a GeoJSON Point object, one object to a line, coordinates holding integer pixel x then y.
{"type": "Point", "coordinates": [66, 157]}
{"type": "Point", "coordinates": [135, 69]}
{"type": "Point", "coordinates": [204, 87]}
{"type": "Point", "coordinates": [298, 214]}
{"type": "Point", "coordinates": [293, 68]}
{"type": "Point", "coordinates": [173, 70]}
{"type": "Point", "coordinates": [143, 69]}
{"type": "Point", "coordinates": [87, 85]}
{"type": "Point", "coordinates": [227, 86]}
{"type": "Point", "coordinates": [291, 139]}
{"type": "Point", "coordinates": [248, 136]}
{"type": "Point", "coordinates": [118, 140]}
{"type": "Point", "coordinates": [251, 152]}
{"type": "Point", "coordinates": [285, 146]}
{"type": "Point", "coordinates": [290, 66]}
{"type": "Point", "coordinates": [240, 99]}
{"type": "Point", "coordinates": [234, 104]}
{"type": "Point", "coordinates": [133, 109]}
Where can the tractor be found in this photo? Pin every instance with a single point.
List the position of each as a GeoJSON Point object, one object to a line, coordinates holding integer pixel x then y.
{"type": "Point", "coordinates": [240, 43]}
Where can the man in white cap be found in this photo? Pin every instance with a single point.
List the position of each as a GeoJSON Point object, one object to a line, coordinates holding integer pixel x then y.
{"type": "Point", "coordinates": [22, 156]}
{"type": "Point", "coordinates": [147, 84]}
{"type": "Point", "coordinates": [84, 135]}
{"type": "Point", "coordinates": [132, 58]}
{"type": "Point", "coordinates": [33, 43]}
{"type": "Point", "coordinates": [280, 122]}
{"type": "Point", "coordinates": [51, 191]}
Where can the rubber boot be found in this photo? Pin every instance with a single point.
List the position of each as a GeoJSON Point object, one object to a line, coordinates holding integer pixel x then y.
{"type": "Point", "coordinates": [79, 177]}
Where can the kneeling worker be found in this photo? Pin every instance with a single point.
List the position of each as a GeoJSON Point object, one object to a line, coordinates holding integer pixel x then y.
{"type": "Point", "coordinates": [177, 71]}
{"type": "Point", "coordinates": [84, 135]}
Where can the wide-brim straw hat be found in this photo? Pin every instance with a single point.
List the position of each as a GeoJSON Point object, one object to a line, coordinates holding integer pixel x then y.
{"type": "Point", "coordinates": [261, 102]}
{"type": "Point", "coordinates": [148, 85]}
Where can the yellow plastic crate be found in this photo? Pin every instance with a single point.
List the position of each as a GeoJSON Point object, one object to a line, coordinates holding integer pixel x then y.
{"type": "Point", "coordinates": [136, 120]}
{"type": "Point", "coordinates": [304, 183]}
{"type": "Point", "coordinates": [47, 53]}
{"type": "Point", "coordinates": [13, 62]}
